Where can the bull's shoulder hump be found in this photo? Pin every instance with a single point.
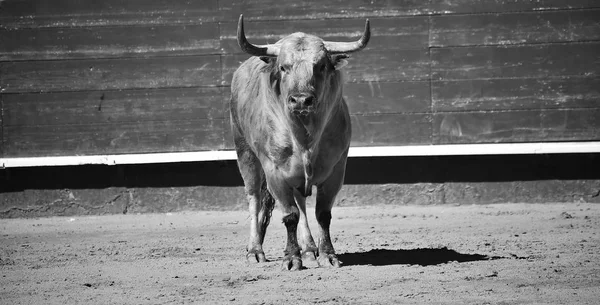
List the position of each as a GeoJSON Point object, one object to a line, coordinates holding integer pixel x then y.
{"type": "Point", "coordinates": [247, 72]}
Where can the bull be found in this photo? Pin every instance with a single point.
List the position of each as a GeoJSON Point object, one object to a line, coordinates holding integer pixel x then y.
{"type": "Point", "coordinates": [291, 129]}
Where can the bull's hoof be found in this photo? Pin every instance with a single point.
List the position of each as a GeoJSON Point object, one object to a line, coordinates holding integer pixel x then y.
{"type": "Point", "coordinates": [329, 260]}
{"type": "Point", "coordinates": [291, 263]}
{"type": "Point", "coordinates": [309, 259]}
{"type": "Point", "coordinates": [309, 256]}
{"type": "Point", "coordinates": [255, 257]}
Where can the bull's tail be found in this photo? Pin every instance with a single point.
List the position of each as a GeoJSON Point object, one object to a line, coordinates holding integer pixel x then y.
{"type": "Point", "coordinates": [267, 204]}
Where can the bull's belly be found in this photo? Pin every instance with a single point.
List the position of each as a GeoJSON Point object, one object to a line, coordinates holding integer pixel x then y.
{"type": "Point", "coordinates": [296, 177]}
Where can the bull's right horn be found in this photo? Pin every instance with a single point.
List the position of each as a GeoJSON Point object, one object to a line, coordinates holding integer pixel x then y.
{"type": "Point", "coordinates": [335, 47]}
{"type": "Point", "coordinates": [255, 50]}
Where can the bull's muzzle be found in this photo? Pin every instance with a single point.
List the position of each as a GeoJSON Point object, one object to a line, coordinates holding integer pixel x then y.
{"type": "Point", "coordinates": [302, 104]}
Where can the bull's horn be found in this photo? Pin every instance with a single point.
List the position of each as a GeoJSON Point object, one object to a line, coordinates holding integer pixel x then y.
{"type": "Point", "coordinates": [256, 50]}
{"type": "Point", "coordinates": [348, 47]}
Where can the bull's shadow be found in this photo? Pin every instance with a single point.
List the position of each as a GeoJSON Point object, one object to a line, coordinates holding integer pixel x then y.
{"type": "Point", "coordinates": [423, 257]}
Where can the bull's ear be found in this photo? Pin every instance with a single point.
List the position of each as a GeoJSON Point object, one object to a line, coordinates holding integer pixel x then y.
{"type": "Point", "coordinates": [266, 59]}
{"type": "Point", "coordinates": [339, 60]}
{"type": "Point", "coordinates": [270, 64]}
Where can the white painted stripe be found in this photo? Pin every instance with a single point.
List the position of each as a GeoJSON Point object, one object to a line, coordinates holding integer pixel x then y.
{"type": "Point", "coordinates": [376, 151]}
{"type": "Point", "coordinates": [477, 149]}
{"type": "Point", "coordinates": [120, 159]}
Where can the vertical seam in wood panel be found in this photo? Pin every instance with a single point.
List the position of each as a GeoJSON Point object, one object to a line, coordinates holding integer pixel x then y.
{"type": "Point", "coordinates": [2, 129]}
{"type": "Point", "coordinates": [430, 78]}
{"type": "Point", "coordinates": [1, 121]}
{"type": "Point", "coordinates": [222, 88]}
{"type": "Point", "coordinates": [225, 119]}
{"type": "Point", "coordinates": [221, 17]}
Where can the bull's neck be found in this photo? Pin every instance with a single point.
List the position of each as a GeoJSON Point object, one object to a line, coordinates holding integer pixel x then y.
{"type": "Point", "coordinates": [307, 130]}
{"type": "Point", "coordinates": [303, 131]}
{"type": "Point", "coordinates": [306, 133]}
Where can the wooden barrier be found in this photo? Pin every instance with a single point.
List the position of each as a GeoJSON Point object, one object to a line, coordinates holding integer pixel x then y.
{"type": "Point", "coordinates": [148, 77]}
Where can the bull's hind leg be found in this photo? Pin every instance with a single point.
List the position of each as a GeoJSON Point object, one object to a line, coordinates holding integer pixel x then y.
{"type": "Point", "coordinates": [326, 193]}
{"type": "Point", "coordinates": [260, 203]}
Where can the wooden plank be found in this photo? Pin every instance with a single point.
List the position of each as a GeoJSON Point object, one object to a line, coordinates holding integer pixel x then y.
{"type": "Point", "coordinates": [386, 33]}
{"type": "Point", "coordinates": [378, 97]}
{"type": "Point", "coordinates": [110, 74]}
{"type": "Point", "coordinates": [367, 66]}
{"type": "Point", "coordinates": [316, 9]}
{"type": "Point", "coordinates": [486, 127]}
{"type": "Point", "coordinates": [517, 126]}
{"type": "Point", "coordinates": [76, 13]}
{"type": "Point", "coordinates": [515, 28]}
{"type": "Point", "coordinates": [530, 61]}
{"type": "Point", "coordinates": [498, 6]}
{"type": "Point", "coordinates": [388, 66]}
{"type": "Point", "coordinates": [109, 42]}
{"type": "Point", "coordinates": [572, 124]}
{"type": "Point", "coordinates": [97, 107]}
{"type": "Point", "coordinates": [515, 94]}
{"type": "Point", "coordinates": [114, 138]}
{"type": "Point", "coordinates": [391, 129]}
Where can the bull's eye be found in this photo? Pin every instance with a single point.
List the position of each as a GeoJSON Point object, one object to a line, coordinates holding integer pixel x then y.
{"type": "Point", "coordinates": [282, 68]}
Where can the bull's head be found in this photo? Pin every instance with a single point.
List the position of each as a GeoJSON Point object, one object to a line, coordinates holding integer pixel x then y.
{"type": "Point", "coordinates": [304, 68]}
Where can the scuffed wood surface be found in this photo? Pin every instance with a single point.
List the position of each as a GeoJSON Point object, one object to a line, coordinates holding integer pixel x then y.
{"type": "Point", "coordinates": [81, 77]}
{"type": "Point", "coordinates": [500, 6]}
{"type": "Point", "coordinates": [515, 94]}
{"type": "Point", "coordinates": [110, 74]}
{"type": "Point", "coordinates": [391, 129]}
{"type": "Point", "coordinates": [517, 126]}
{"type": "Point", "coordinates": [114, 138]}
{"type": "Point", "coordinates": [528, 61]}
{"type": "Point", "coordinates": [97, 107]}
{"type": "Point", "coordinates": [76, 13]}
{"type": "Point", "coordinates": [317, 9]}
{"type": "Point", "coordinates": [388, 97]}
{"type": "Point", "coordinates": [109, 42]}
{"type": "Point", "coordinates": [515, 28]}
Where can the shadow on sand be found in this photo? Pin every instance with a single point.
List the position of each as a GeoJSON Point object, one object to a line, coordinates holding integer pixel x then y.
{"type": "Point", "coordinates": [423, 257]}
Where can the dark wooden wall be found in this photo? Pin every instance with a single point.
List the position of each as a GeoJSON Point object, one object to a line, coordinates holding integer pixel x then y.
{"type": "Point", "coordinates": [136, 76]}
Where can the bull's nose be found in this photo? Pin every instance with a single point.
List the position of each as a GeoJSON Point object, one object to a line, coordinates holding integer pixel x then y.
{"type": "Point", "coordinates": [301, 100]}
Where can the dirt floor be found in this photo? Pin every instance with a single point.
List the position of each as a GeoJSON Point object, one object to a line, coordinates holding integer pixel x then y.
{"type": "Point", "coordinates": [492, 254]}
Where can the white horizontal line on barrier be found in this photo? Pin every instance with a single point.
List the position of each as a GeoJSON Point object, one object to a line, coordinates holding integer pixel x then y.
{"type": "Point", "coordinates": [374, 151]}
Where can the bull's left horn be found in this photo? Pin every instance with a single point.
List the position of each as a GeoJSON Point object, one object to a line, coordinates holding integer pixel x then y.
{"type": "Point", "coordinates": [348, 47]}
{"type": "Point", "coordinates": [255, 50]}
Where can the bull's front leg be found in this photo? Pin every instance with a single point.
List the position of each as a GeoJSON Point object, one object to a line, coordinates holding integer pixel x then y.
{"type": "Point", "coordinates": [307, 243]}
{"type": "Point", "coordinates": [326, 193]}
{"type": "Point", "coordinates": [291, 258]}
{"type": "Point", "coordinates": [291, 217]}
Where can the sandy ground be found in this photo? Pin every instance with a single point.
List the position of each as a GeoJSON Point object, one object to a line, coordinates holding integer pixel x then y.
{"type": "Point", "coordinates": [493, 254]}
